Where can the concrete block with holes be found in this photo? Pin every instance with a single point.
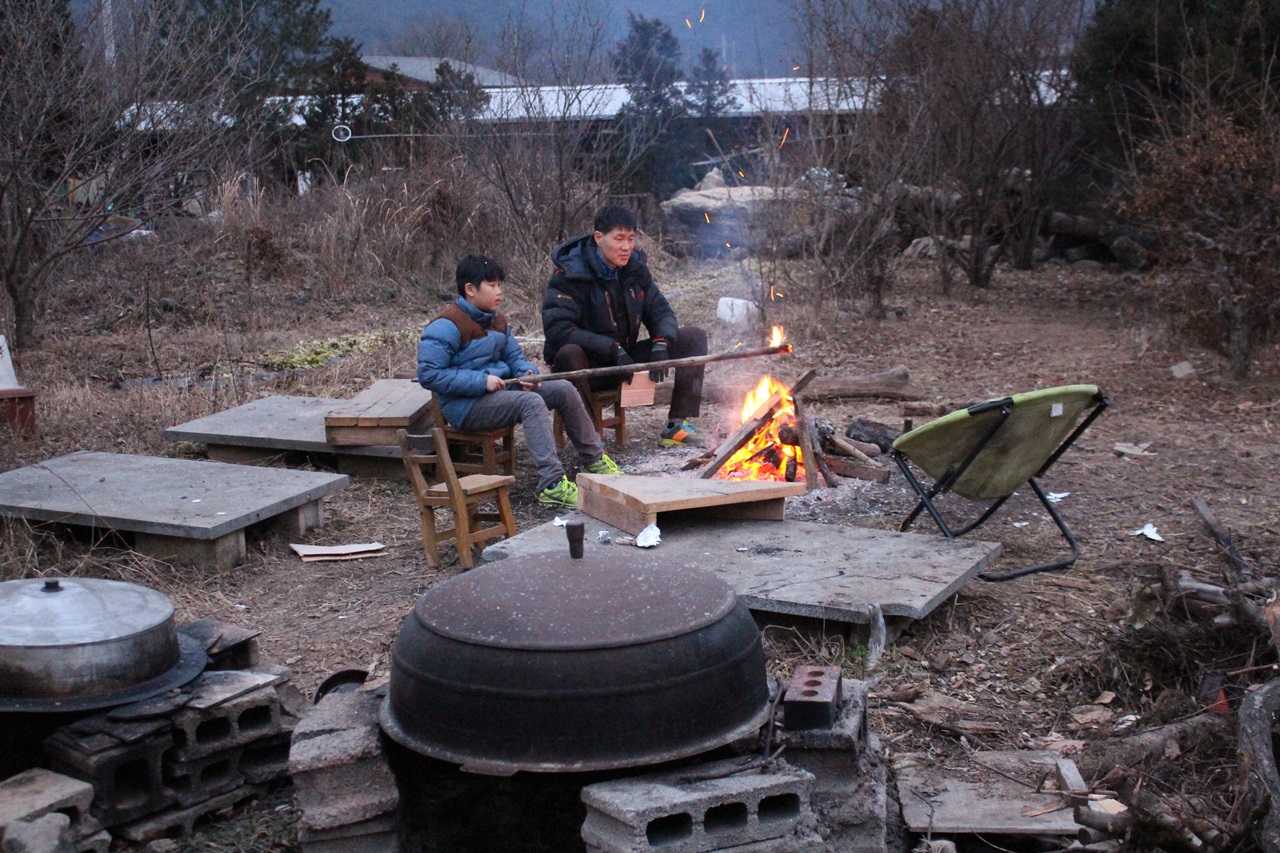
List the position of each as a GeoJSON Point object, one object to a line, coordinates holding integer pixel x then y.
{"type": "Point", "coordinates": [200, 779]}
{"type": "Point", "coordinates": [200, 732]}
{"type": "Point", "coordinates": [338, 764]}
{"type": "Point", "coordinates": [379, 835]}
{"type": "Point", "coordinates": [126, 775]}
{"type": "Point", "coordinates": [715, 806]}
{"type": "Point", "coordinates": [34, 793]}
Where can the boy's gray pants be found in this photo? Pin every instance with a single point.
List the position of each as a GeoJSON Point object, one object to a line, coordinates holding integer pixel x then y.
{"type": "Point", "coordinates": [533, 409]}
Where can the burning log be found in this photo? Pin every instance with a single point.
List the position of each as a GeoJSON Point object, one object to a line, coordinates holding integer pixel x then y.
{"type": "Point", "coordinates": [764, 414]}
{"type": "Point", "coordinates": [810, 434]}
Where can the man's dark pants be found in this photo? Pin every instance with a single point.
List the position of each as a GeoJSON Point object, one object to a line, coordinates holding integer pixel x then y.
{"type": "Point", "coordinates": [686, 396]}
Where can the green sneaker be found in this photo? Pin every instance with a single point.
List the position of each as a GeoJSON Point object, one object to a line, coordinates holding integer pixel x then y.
{"type": "Point", "coordinates": [682, 433]}
{"type": "Point", "coordinates": [604, 465]}
{"type": "Point", "coordinates": [563, 493]}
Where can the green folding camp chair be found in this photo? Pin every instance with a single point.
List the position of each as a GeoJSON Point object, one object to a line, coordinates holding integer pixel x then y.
{"type": "Point", "coordinates": [987, 451]}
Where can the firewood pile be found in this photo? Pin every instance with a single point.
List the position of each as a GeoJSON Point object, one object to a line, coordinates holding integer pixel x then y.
{"type": "Point", "coordinates": [1173, 610]}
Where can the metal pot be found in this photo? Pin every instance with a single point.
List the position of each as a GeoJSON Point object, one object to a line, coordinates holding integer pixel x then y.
{"type": "Point", "coordinates": [74, 644]}
{"type": "Point", "coordinates": [550, 664]}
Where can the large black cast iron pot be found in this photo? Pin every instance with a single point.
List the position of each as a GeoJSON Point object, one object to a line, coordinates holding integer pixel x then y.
{"type": "Point", "coordinates": [550, 664]}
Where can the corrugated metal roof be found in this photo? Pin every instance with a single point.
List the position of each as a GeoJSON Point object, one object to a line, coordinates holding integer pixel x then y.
{"type": "Point", "coordinates": [423, 69]}
{"type": "Point", "coordinates": [601, 100]}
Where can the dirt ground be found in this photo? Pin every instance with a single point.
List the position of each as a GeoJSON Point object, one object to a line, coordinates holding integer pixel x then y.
{"type": "Point", "coordinates": [1028, 659]}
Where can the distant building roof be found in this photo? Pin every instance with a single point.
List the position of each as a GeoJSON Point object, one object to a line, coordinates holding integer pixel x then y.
{"type": "Point", "coordinates": [604, 100]}
{"type": "Point", "coordinates": [423, 69]}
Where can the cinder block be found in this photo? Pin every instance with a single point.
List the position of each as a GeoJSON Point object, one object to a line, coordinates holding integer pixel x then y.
{"type": "Point", "coordinates": [198, 732]}
{"type": "Point", "coordinates": [812, 698]}
{"type": "Point", "coordinates": [380, 835]}
{"type": "Point", "coordinates": [34, 793]}
{"type": "Point", "coordinates": [199, 779]}
{"type": "Point", "coordinates": [48, 834]}
{"type": "Point", "coordinates": [851, 795]}
{"type": "Point", "coordinates": [338, 712]}
{"type": "Point", "coordinates": [127, 778]}
{"type": "Point", "coordinates": [696, 809]}
{"type": "Point", "coordinates": [266, 760]}
{"type": "Point", "coordinates": [99, 842]}
{"type": "Point", "coordinates": [181, 822]}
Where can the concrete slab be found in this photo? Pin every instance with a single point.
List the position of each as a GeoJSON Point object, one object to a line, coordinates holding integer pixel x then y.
{"type": "Point", "coordinates": [1001, 793]}
{"type": "Point", "coordinates": [800, 568]}
{"type": "Point", "coordinates": [273, 425]}
{"type": "Point", "coordinates": [194, 510]}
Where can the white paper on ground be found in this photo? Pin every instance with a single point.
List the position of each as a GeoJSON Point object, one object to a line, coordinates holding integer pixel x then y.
{"type": "Point", "coordinates": [649, 537]}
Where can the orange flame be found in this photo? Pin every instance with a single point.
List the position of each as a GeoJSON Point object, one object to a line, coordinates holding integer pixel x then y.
{"type": "Point", "coordinates": [765, 456]}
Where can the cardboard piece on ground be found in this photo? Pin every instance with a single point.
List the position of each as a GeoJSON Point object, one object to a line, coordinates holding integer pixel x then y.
{"type": "Point", "coordinates": [357, 551]}
{"type": "Point", "coordinates": [213, 688]}
{"type": "Point", "coordinates": [633, 503]}
{"type": "Point", "coordinates": [8, 378]}
{"type": "Point", "coordinates": [975, 794]}
{"type": "Point", "coordinates": [373, 416]}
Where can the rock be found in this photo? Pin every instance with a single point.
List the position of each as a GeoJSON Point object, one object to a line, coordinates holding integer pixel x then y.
{"type": "Point", "coordinates": [168, 306]}
{"type": "Point", "coordinates": [48, 834]}
{"type": "Point", "coordinates": [1128, 253]}
{"type": "Point", "coordinates": [713, 180]}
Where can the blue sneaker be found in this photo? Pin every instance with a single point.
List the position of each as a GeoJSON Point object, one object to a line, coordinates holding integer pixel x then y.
{"type": "Point", "coordinates": [681, 433]}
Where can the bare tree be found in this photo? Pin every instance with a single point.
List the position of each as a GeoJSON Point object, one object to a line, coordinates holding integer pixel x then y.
{"type": "Point", "coordinates": [96, 127]}
{"type": "Point", "coordinates": [989, 77]}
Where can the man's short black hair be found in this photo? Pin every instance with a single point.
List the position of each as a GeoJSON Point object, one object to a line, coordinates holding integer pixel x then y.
{"type": "Point", "coordinates": [614, 216]}
{"type": "Point", "coordinates": [474, 269]}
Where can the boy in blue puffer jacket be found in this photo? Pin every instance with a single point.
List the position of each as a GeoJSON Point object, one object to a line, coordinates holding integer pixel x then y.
{"type": "Point", "coordinates": [464, 357]}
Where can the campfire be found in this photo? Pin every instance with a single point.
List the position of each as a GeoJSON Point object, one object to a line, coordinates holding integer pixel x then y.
{"type": "Point", "coordinates": [772, 452]}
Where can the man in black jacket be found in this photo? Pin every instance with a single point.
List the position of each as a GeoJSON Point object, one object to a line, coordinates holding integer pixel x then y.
{"type": "Point", "coordinates": [599, 296]}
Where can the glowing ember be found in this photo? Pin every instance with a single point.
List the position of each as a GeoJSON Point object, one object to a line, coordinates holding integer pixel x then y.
{"type": "Point", "coordinates": [766, 456]}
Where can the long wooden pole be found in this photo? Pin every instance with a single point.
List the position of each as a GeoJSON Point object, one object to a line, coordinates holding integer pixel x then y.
{"type": "Point", "coordinates": [642, 367]}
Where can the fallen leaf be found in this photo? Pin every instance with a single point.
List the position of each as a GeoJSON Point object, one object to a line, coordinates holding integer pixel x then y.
{"type": "Point", "coordinates": [1088, 715]}
{"type": "Point", "coordinates": [1106, 697]}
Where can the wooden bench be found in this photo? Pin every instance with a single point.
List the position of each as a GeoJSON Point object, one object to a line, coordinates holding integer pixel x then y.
{"type": "Point", "coordinates": [375, 414]}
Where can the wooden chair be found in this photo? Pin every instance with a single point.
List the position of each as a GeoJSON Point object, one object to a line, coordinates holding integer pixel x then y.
{"type": "Point", "coordinates": [479, 451]}
{"type": "Point", "coordinates": [436, 484]}
{"type": "Point", "coordinates": [600, 400]}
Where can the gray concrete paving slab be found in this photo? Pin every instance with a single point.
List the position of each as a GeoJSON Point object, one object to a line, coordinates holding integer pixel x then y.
{"type": "Point", "coordinates": [800, 568]}
{"type": "Point", "coordinates": [274, 423]}
{"type": "Point", "coordinates": [183, 498]}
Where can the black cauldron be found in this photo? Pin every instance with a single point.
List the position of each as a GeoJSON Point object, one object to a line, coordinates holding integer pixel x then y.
{"type": "Point", "coordinates": [548, 664]}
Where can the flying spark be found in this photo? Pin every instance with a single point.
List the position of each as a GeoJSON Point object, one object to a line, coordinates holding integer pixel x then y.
{"type": "Point", "coordinates": [703, 17]}
{"type": "Point", "coordinates": [707, 216]}
{"type": "Point", "coordinates": [795, 68]}
{"type": "Point", "coordinates": [687, 24]}
{"type": "Point", "coordinates": [740, 175]}
{"type": "Point", "coordinates": [785, 134]}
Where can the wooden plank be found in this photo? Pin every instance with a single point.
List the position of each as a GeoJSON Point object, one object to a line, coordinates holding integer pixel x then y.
{"type": "Point", "coordinates": [621, 516]}
{"type": "Point", "coordinates": [390, 402]}
{"type": "Point", "coordinates": [632, 503]}
{"type": "Point", "coordinates": [664, 494]}
{"type": "Point", "coordinates": [992, 792]}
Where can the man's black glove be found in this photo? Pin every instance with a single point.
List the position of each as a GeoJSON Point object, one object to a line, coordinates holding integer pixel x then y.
{"type": "Point", "coordinates": [621, 358]}
{"type": "Point", "coordinates": [658, 353]}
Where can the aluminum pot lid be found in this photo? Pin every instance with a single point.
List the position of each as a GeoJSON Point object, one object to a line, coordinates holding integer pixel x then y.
{"type": "Point", "coordinates": [551, 601]}
{"type": "Point", "coordinates": [38, 613]}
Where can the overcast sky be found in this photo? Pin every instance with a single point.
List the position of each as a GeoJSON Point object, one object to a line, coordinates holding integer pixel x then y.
{"type": "Point", "coordinates": [755, 35]}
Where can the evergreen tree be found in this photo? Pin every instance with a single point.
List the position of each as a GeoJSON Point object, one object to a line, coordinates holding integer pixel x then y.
{"type": "Point", "coordinates": [709, 91]}
{"type": "Point", "coordinates": [647, 62]}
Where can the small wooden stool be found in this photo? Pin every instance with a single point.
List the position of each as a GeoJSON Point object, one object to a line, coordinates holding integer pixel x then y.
{"type": "Point", "coordinates": [617, 421]}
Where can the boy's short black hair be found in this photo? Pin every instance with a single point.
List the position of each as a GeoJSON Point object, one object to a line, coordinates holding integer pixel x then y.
{"type": "Point", "coordinates": [614, 216]}
{"type": "Point", "coordinates": [474, 269]}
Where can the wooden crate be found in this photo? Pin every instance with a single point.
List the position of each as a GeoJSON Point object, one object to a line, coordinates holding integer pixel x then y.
{"type": "Point", "coordinates": [632, 503]}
